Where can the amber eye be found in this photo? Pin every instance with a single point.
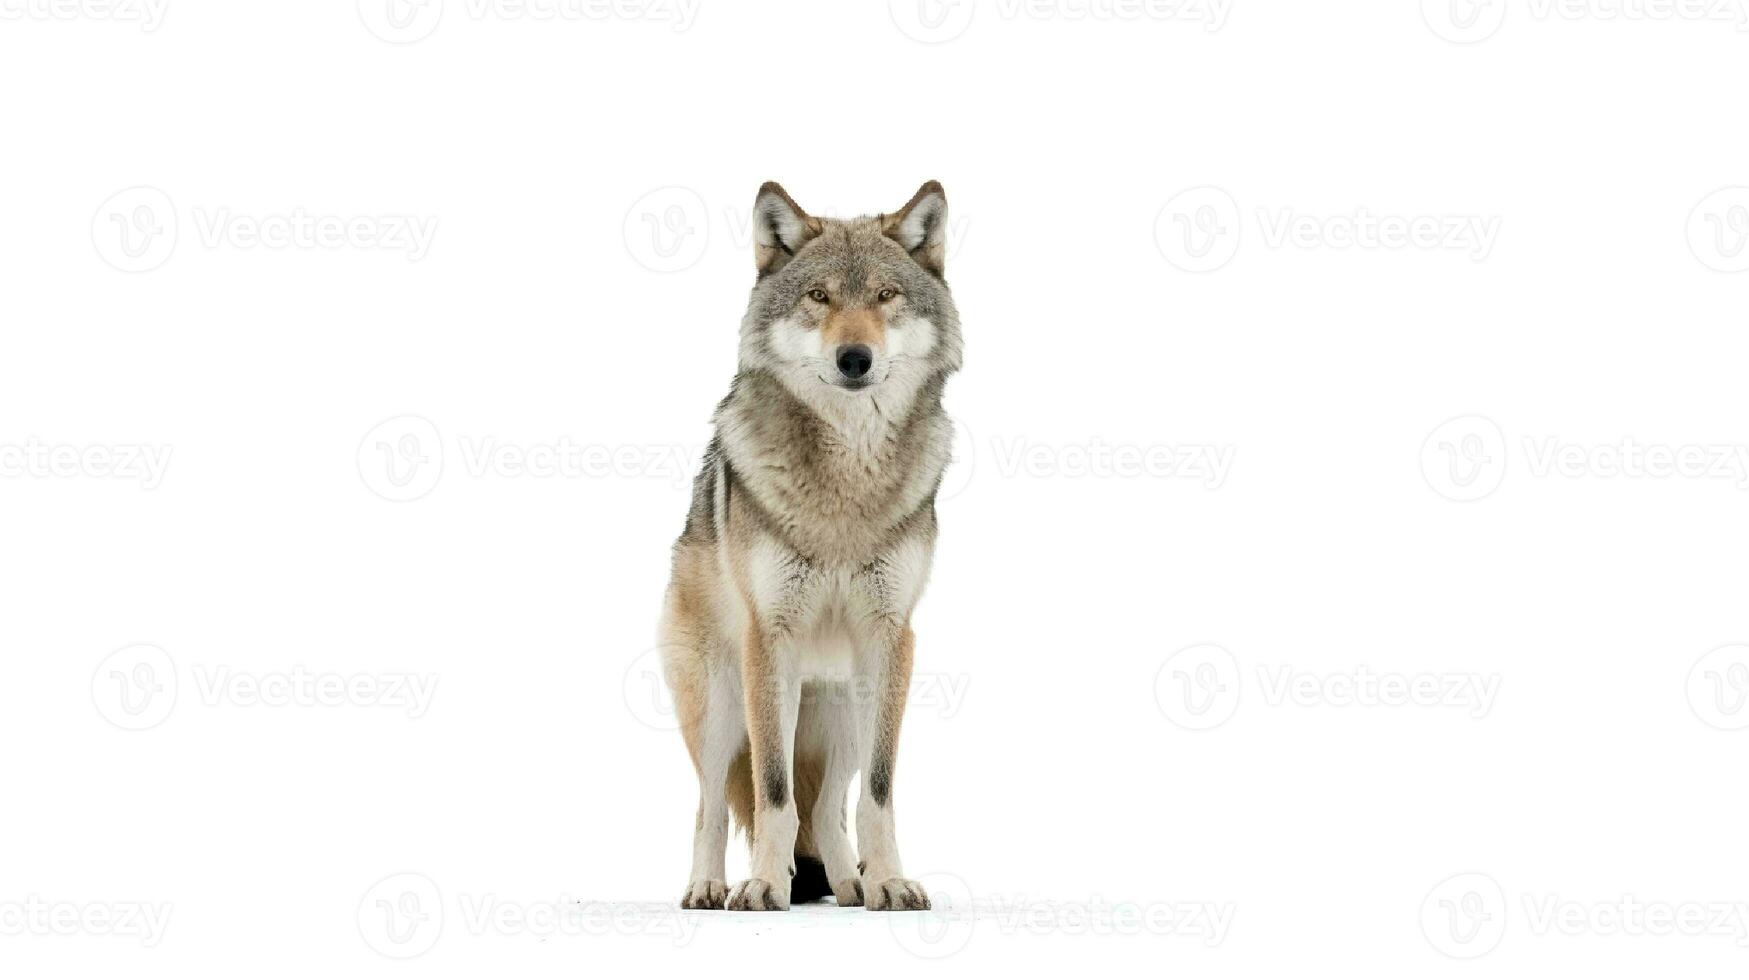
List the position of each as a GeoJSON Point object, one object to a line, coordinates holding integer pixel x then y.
{"type": "Point", "coordinates": [817, 295]}
{"type": "Point", "coordinates": [886, 294]}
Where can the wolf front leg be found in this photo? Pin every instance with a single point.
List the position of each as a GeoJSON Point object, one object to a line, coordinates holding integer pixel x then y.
{"type": "Point", "coordinates": [888, 667]}
{"type": "Point", "coordinates": [773, 697]}
{"type": "Point", "coordinates": [826, 823]}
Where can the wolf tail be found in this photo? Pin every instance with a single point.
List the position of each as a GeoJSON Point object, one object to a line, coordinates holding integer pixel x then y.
{"type": "Point", "coordinates": [809, 883]}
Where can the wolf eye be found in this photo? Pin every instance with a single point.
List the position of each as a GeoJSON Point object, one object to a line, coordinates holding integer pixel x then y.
{"type": "Point", "coordinates": [886, 294]}
{"type": "Point", "coordinates": [817, 295]}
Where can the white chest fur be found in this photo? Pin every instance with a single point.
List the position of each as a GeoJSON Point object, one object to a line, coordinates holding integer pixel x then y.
{"type": "Point", "coordinates": [827, 612]}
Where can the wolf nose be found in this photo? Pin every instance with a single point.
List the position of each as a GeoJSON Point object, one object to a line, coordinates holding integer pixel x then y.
{"type": "Point", "coordinates": [854, 360]}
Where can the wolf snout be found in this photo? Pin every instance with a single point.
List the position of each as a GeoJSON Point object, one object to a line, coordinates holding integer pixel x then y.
{"type": "Point", "coordinates": [854, 360]}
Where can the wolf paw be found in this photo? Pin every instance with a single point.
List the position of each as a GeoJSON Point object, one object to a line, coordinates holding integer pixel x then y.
{"type": "Point", "coordinates": [704, 895]}
{"type": "Point", "coordinates": [757, 895]}
{"type": "Point", "coordinates": [895, 895]}
{"type": "Point", "coordinates": [848, 893]}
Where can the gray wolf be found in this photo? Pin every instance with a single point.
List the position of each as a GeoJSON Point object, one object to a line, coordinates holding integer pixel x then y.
{"type": "Point", "coordinates": [786, 629]}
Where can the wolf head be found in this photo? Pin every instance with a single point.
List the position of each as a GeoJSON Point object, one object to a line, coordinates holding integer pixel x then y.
{"type": "Point", "coordinates": [848, 312]}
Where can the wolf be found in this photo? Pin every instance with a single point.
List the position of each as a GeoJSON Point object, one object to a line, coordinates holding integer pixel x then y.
{"type": "Point", "coordinates": [786, 628]}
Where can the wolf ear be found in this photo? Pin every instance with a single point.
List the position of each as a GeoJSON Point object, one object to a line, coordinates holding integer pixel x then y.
{"type": "Point", "coordinates": [780, 228]}
{"type": "Point", "coordinates": [920, 227]}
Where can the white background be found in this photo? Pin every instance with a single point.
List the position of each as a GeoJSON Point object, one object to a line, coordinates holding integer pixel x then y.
{"type": "Point", "coordinates": [589, 180]}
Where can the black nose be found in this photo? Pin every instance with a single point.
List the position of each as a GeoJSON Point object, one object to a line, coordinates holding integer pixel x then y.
{"type": "Point", "coordinates": [854, 360]}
